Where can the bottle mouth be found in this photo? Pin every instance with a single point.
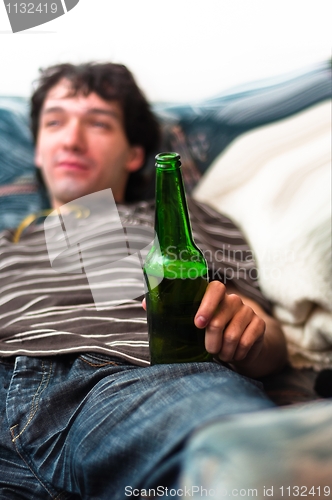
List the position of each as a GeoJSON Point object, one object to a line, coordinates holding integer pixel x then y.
{"type": "Point", "coordinates": [168, 158]}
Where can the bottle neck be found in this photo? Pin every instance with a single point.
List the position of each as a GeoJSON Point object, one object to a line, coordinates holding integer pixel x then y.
{"type": "Point", "coordinates": [172, 223]}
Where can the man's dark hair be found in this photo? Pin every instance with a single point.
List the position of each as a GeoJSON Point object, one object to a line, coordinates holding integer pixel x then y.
{"type": "Point", "coordinates": [112, 82]}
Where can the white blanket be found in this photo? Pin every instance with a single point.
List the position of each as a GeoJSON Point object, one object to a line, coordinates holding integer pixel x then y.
{"type": "Point", "coordinates": [275, 183]}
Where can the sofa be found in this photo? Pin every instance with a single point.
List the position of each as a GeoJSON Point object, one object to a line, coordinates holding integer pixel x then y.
{"type": "Point", "coordinates": [260, 153]}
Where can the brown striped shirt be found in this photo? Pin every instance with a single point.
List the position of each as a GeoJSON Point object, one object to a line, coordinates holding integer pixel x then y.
{"type": "Point", "coordinates": [44, 312]}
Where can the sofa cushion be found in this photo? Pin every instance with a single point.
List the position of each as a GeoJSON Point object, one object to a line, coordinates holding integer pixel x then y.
{"type": "Point", "coordinates": [19, 193]}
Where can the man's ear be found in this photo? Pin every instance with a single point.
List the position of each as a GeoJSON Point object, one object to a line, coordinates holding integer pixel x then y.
{"type": "Point", "coordinates": [136, 158]}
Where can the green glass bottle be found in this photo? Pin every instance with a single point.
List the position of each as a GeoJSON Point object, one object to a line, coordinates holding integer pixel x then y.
{"type": "Point", "coordinates": [175, 271]}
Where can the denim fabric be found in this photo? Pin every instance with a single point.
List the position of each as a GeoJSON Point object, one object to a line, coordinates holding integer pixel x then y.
{"type": "Point", "coordinates": [89, 426]}
{"type": "Point", "coordinates": [289, 452]}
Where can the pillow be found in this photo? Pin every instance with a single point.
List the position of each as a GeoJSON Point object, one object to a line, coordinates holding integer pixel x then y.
{"type": "Point", "coordinates": [275, 183]}
{"type": "Point", "coordinates": [201, 130]}
{"type": "Point", "coordinates": [19, 193]}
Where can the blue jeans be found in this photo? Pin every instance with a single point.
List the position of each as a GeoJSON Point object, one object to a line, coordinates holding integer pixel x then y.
{"type": "Point", "coordinates": [92, 427]}
{"type": "Point", "coordinates": [282, 452]}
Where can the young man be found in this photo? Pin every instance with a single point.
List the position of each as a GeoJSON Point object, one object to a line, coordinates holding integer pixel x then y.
{"type": "Point", "coordinates": [86, 417]}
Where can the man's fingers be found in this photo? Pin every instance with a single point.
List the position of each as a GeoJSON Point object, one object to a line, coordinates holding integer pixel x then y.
{"type": "Point", "coordinates": [226, 329]}
{"type": "Point", "coordinates": [233, 330]}
{"type": "Point", "coordinates": [251, 340]}
{"type": "Point", "coordinates": [232, 327]}
{"type": "Point", "coordinates": [214, 294]}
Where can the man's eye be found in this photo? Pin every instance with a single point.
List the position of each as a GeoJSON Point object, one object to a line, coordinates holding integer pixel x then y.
{"type": "Point", "coordinates": [52, 123]}
{"type": "Point", "coordinates": [103, 125]}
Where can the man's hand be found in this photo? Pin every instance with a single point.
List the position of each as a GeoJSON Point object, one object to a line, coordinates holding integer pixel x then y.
{"type": "Point", "coordinates": [233, 329]}
{"type": "Point", "coordinates": [239, 332]}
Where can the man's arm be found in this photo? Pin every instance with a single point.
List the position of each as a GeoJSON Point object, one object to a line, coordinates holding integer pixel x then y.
{"type": "Point", "coordinates": [240, 332]}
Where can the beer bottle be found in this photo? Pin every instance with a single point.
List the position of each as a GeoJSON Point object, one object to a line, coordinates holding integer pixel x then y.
{"type": "Point", "coordinates": [175, 271]}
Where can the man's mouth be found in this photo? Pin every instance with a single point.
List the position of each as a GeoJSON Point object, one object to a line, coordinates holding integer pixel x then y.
{"type": "Point", "coordinates": [72, 165]}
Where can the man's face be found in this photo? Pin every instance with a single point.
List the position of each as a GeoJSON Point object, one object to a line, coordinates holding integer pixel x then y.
{"type": "Point", "coordinates": [82, 146]}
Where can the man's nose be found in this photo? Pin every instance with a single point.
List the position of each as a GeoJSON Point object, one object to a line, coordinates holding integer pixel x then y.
{"type": "Point", "coordinates": [74, 136]}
